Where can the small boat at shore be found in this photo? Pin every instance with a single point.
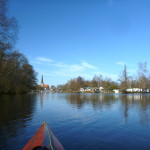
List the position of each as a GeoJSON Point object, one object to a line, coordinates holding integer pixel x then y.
{"type": "Point", "coordinates": [44, 139]}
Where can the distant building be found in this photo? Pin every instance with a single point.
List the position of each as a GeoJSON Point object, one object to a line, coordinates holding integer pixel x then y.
{"type": "Point", "coordinates": [95, 89]}
{"type": "Point", "coordinates": [45, 86]}
{"type": "Point", "coordinates": [82, 89]}
{"type": "Point", "coordinates": [146, 90]}
{"type": "Point", "coordinates": [116, 90]}
{"type": "Point", "coordinates": [101, 89]}
{"type": "Point", "coordinates": [137, 90]}
{"type": "Point", "coordinates": [134, 90]}
{"type": "Point", "coordinates": [89, 89]}
{"type": "Point", "coordinates": [85, 89]}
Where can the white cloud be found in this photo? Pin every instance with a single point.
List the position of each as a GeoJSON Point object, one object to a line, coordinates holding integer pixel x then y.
{"type": "Point", "coordinates": [121, 63]}
{"type": "Point", "coordinates": [60, 65]}
{"type": "Point", "coordinates": [85, 64]}
{"type": "Point", "coordinates": [58, 73]}
{"type": "Point", "coordinates": [67, 71]}
{"type": "Point", "coordinates": [43, 59]}
{"type": "Point", "coordinates": [76, 68]}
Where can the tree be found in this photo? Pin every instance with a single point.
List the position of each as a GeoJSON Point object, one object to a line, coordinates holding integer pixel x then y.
{"type": "Point", "coordinates": [142, 75]}
{"type": "Point", "coordinates": [87, 83]}
{"type": "Point", "coordinates": [53, 88]}
{"type": "Point", "coordinates": [94, 82]}
{"type": "Point", "coordinates": [16, 74]}
{"type": "Point", "coordinates": [62, 87]}
{"type": "Point", "coordinates": [79, 82]}
{"type": "Point", "coordinates": [8, 29]}
{"type": "Point", "coordinates": [100, 80]}
{"type": "Point", "coordinates": [107, 84]}
{"type": "Point", "coordinates": [124, 79]}
{"type": "Point", "coordinates": [73, 85]}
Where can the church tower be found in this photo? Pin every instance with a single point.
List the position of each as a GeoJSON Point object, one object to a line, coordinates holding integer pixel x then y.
{"type": "Point", "coordinates": [42, 84]}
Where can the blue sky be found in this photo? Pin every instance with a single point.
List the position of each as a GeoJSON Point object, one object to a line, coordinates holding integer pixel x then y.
{"type": "Point", "coordinates": [66, 38]}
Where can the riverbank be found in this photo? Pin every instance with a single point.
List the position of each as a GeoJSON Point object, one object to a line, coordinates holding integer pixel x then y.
{"type": "Point", "coordinates": [78, 92]}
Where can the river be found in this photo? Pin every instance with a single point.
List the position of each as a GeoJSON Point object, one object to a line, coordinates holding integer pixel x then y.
{"type": "Point", "coordinates": [79, 121]}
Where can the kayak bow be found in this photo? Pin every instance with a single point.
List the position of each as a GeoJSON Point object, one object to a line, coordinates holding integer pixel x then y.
{"type": "Point", "coordinates": [43, 139]}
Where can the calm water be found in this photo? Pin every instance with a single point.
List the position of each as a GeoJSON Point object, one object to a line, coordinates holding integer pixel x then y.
{"type": "Point", "coordinates": [80, 121]}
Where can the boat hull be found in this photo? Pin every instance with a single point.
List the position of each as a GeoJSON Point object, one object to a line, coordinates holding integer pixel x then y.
{"type": "Point", "coordinates": [44, 138]}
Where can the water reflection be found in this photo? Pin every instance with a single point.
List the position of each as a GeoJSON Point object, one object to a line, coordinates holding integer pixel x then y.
{"type": "Point", "coordinates": [44, 97]}
{"type": "Point", "coordinates": [41, 99]}
{"type": "Point", "coordinates": [139, 102]}
{"type": "Point", "coordinates": [96, 100]}
{"type": "Point", "coordinates": [15, 111]}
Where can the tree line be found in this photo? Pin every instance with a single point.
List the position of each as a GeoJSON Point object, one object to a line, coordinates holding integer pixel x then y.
{"type": "Point", "coordinates": [97, 81]}
{"type": "Point", "coordinates": [141, 80]}
{"type": "Point", "coordinates": [16, 74]}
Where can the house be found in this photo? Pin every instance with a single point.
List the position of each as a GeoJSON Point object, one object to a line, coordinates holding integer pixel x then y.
{"type": "Point", "coordinates": [137, 90]}
{"type": "Point", "coordinates": [85, 89]}
{"type": "Point", "coordinates": [46, 86]}
{"type": "Point", "coordinates": [94, 89]}
{"type": "Point", "coordinates": [116, 90]}
{"type": "Point", "coordinates": [89, 89]}
{"type": "Point", "coordinates": [129, 90]}
{"type": "Point", "coordinates": [134, 90]}
{"type": "Point", "coordinates": [101, 89]}
{"type": "Point", "coordinates": [81, 89]}
{"type": "Point", "coordinates": [146, 90]}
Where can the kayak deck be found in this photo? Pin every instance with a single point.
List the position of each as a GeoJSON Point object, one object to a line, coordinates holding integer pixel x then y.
{"type": "Point", "coordinates": [43, 139]}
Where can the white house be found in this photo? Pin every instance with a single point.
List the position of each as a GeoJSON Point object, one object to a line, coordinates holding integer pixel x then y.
{"type": "Point", "coordinates": [85, 89]}
{"type": "Point", "coordinates": [81, 89]}
{"type": "Point", "coordinates": [101, 89]}
{"type": "Point", "coordinates": [137, 90]}
{"type": "Point", "coordinates": [146, 90]}
{"type": "Point", "coordinates": [116, 90]}
{"type": "Point", "coordinates": [129, 90]}
{"type": "Point", "coordinates": [94, 89]}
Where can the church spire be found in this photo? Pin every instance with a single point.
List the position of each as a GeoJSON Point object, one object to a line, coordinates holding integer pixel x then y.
{"type": "Point", "coordinates": [42, 84]}
{"type": "Point", "coordinates": [42, 79]}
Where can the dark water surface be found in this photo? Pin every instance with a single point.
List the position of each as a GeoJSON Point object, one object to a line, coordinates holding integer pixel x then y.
{"type": "Point", "coordinates": [80, 121]}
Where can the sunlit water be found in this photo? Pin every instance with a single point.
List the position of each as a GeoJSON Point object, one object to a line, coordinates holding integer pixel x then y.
{"type": "Point", "coordinates": [80, 121]}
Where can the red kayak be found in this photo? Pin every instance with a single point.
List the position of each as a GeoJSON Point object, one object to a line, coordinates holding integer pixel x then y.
{"type": "Point", "coordinates": [44, 139]}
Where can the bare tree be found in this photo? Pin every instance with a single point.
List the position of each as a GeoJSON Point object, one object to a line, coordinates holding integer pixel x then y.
{"type": "Point", "coordinates": [124, 79]}
{"type": "Point", "coordinates": [8, 29]}
{"type": "Point", "coordinates": [79, 82]}
{"type": "Point", "coordinates": [94, 82]}
{"type": "Point", "coordinates": [100, 80]}
{"type": "Point", "coordinates": [142, 75]}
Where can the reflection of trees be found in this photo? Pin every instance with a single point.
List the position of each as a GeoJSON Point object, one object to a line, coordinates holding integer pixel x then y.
{"type": "Point", "coordinates": [15, 111]}
{"type": "Point", "coordinates": [124, 105]}
{"type": "Point", "coordinates": [140, 102]}
{"type": "Point", "coordinates": [75, 100]}
{"type": "Point", "coordinates": [44, 96]}
{"type": "Point", "coordinates": [128, 102]}
{"type": "Point", "coordinates": [41, 99]}
{"type": "Point", "coordinates": [96, 100]}
{"type": "Point", "coordinates": [144, 109]}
